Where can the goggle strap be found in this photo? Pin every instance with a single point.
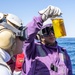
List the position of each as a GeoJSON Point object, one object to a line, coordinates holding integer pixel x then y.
{"type": "Point", "coordinates": [13, 29]}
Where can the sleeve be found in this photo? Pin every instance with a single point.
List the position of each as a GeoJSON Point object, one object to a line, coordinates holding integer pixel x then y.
{"type": "Point", "coordinates": [32, 29]}
{"type": "Point", "coordinates": [69, 65]}
{"type": "Point", "coordinates": [4, 70]}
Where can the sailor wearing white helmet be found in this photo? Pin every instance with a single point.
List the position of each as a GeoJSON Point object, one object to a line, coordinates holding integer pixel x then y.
{"type": "Point", "coordinates": [12, 34]}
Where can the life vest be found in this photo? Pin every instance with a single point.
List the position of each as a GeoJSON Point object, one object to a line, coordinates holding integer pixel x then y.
{"type": "Point", "coordinates": [63, 57]}
{"type": "Point", "coordinates": [19, 62]}
{"type": "Point", "coordinates": [16, 63]}
{"type": "Point", "coordinates": [42, 54]}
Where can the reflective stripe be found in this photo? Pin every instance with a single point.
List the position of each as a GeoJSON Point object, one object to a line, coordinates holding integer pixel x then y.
{"type": "Point", "coordinates": [62, 55]}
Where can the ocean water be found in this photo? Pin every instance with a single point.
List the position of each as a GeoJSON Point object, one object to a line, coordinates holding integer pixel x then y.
{"type": "Point", "coordinates": [69, 44]}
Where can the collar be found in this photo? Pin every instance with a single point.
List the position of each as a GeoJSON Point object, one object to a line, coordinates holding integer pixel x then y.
{"type": "Point", "coordinates": [52, 47]}
{"type": "Point", "coordinates": [6, 57]}
{"type": "Point", "coordinates": [55, 45]}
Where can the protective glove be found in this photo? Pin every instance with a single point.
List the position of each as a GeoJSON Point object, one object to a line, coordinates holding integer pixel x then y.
{"type": "Point", "coordinates": [50, 12]}
{"type": "Point", "coordinates": [1, 16]}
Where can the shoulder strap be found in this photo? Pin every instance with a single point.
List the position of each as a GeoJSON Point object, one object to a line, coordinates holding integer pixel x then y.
{"type": "Point", "coordinates": [64, 55]}
{"type": "Point", "coordinates": [62, 50]}
{"type": "Point", "coordinates": [41, 51]}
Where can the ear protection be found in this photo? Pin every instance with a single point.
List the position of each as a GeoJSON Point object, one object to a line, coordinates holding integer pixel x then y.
{"type": "Point", "coordinates": [7, 38]}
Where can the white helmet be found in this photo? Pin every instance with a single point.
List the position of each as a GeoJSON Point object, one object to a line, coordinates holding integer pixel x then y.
{"type": "Point", "coordinates": [47, 26]}
{"type": "Point", "coordinates": [14, 20]}
{"type": "Point", "coordinates": [11, 22]}
{"type": "Point", "coordinates": [9, 29]}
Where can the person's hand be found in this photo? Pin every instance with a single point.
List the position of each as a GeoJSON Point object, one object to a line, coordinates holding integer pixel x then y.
{"type": "Point", "coordinates": [50, 12]}
{"type": "Point", "coordinates": [1, 16]}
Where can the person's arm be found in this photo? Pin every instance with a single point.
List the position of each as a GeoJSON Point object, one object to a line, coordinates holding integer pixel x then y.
{"type": "Point", "coordinates": [69, 65]}
{"type": "Point", "coordinates": [34, 26]}
{"type": "Point", "coordinates": [32, 29]}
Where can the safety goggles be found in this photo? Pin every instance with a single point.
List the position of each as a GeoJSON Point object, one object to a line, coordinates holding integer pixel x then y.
{"type": "Point", "coordinates": [20, 32]}
{"type": "Point", "coordinates": [47, 31]}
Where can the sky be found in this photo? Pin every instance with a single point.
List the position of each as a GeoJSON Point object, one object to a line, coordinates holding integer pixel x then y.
{"type": "Point", "coordinates": [27, 9]}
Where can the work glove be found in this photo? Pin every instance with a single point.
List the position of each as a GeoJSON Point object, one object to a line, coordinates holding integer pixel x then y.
{"type": "Point", "coordinates": [1, 16]}
{"type": "Point", "coordinates": [50, 12]}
